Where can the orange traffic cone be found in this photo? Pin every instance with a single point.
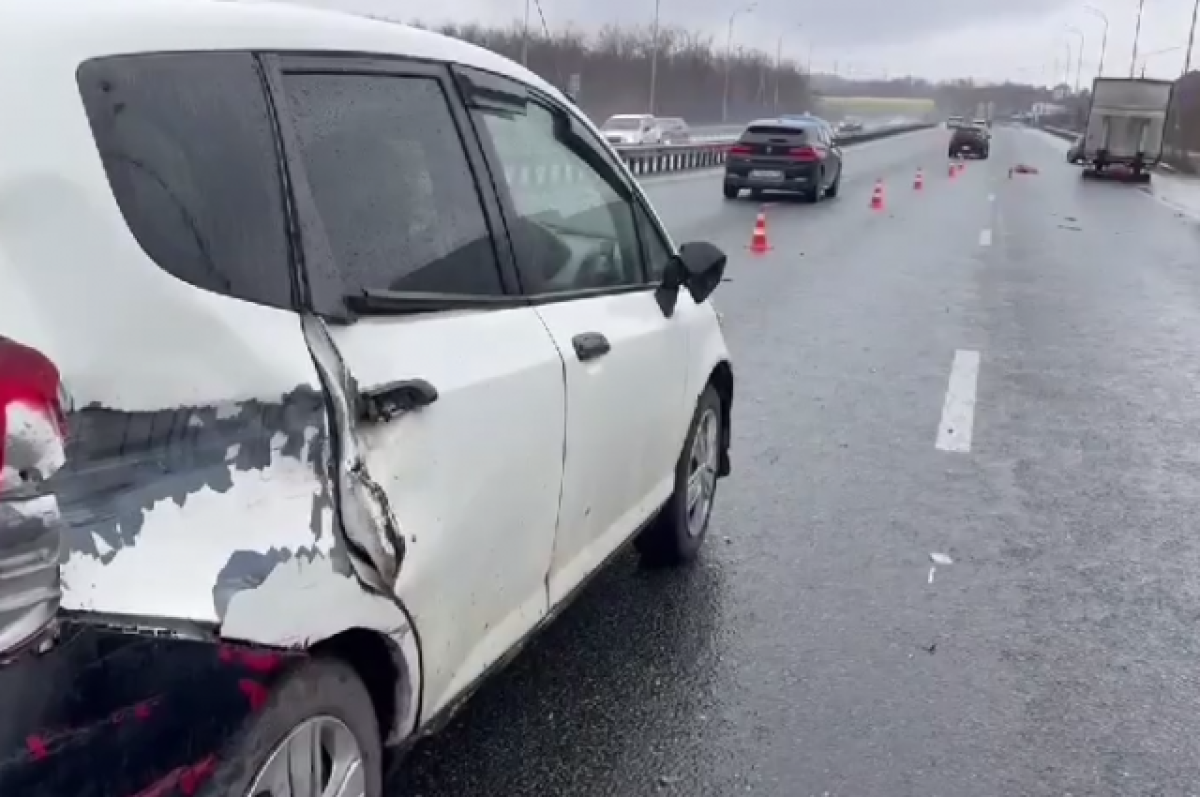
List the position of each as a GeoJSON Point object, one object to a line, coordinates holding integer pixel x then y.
{"type": "Point", "coordinates": [758, 241]}
{"type": "Point", "coordinates": [877, 196]}
{"type": "Point", "coordinates": [952, 171]}
{"type": "Point", "coordinates": [919, 180]}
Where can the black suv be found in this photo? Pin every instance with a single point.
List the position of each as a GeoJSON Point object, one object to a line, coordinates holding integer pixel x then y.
{"type": "Point", "coordinates": [969, 141]}
{"type": "Point", "coordinates": [797, 155]}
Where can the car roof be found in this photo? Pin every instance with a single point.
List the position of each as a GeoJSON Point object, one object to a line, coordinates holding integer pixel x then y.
{"type": "Point", "coordinates": [77, 30]}
{"type": "Point", "coordinates": [795, 122]}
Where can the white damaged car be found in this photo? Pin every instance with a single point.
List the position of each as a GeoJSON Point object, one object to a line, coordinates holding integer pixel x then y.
{"type": "Point", "coordinates": [313, 406]}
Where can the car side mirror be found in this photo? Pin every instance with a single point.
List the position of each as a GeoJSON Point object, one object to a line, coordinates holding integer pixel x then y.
{"type": "Point", "coordinates": [698, 267]}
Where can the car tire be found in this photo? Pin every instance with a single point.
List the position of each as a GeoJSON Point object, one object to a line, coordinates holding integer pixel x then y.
{"type": "Point", "coordinates": [832, 191]}
{"type": "Point", "coordinates": [731, 192]}
{"type": "Point", "coordinates": [321, 692]}
{"type": "Point", "coordinates": [813, 195]}
{"type": "Point", "coordinates": [676, 534]}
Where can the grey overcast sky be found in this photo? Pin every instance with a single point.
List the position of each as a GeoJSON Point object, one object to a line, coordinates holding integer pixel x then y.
{"type": "Point", "coordinates": [984, 39]}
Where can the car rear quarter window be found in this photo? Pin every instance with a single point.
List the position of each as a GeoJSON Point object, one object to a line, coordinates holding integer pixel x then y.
{"type": "Point", "coordinates": [189, 149]}
{"type": "Point", "coordinates": [392, 183]}
{"type": "Point", "coordinates": [761, 132]}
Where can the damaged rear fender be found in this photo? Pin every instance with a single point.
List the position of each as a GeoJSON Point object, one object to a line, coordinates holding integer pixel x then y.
{"type": "Point", "coordinates": [308, 605]}
{"type": "Point", "coordinates": [365, 518]}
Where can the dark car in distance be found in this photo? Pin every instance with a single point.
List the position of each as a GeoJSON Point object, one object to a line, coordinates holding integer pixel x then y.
{"type": "Point", "coordinates": [794, 154]}
{"type": "Point", "coordinates": [969, 142]}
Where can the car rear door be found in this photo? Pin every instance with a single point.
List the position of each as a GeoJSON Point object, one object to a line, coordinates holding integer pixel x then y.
{"type": "Point", "coordinates": [582, 265]}
{"type": "Point", "coordinates": [458, 397]}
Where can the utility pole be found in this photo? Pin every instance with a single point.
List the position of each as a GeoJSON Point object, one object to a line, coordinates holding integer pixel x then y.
{"type": "Point", "coordinates": [654, 59]}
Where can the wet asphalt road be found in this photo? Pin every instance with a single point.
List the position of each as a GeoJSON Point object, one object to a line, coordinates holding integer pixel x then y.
{"type": "Point", "coordinates": [808, 653]}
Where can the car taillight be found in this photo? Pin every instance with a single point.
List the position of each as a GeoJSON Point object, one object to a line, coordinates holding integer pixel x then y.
{"type": "Point", "coordinates": [739, 149]}
{"type": "Point", "coordinates": [33, 423]}
{"type": "Point", "coordinates": [806, 154]}
{"type": "Point", "coordinates": [33, 430]}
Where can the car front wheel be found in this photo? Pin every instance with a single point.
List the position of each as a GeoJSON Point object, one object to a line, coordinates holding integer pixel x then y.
{"type": "Point", "coordinates": [674, 537]}
{"type": "Point", "coordinates": [731, 192]}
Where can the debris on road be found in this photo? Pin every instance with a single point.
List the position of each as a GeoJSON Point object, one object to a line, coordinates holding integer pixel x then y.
{"type": "Point", "coordinates": [1021, 168]}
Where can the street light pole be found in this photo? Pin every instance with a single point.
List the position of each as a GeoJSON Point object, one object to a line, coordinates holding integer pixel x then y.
{"type": "Point", "coordinates": [1187, 60]}
{"type": "Point", "coordinates": [1103, 38]}
{"type": "Point", "coordinates": [1137, 32]}
{"type": "Point", "coordinates": [729, 61]}
{"type": "Point", "coordinates": [778, 59]}
{"type": "Point", "coordinates": [779, 63]}
{"type": "Point", "coordinates": [654, 59]}
{"type": "Point", "coordinates": [525, 38]}
{"type": "Point", "coordinates": [1079, 54]}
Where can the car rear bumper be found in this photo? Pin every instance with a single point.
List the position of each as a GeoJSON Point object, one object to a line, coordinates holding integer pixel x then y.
{"type": "Point", "coordinates": [803, 179]}
{"type": "Point", "coordinates": [100, 712]}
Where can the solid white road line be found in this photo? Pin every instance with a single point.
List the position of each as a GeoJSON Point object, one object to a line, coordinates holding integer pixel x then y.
{"type": "Point", "coordinates": [985, 237]}
{"type": "Point", "coordinates": [958, 411]}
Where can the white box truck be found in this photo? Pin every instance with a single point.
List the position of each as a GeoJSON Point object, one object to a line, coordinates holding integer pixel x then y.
{"type": "Point", "coordinates": [1125, 126]}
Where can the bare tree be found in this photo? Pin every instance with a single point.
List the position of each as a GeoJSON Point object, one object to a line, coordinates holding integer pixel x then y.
{"type": "Point", "coordinates": [613, 65]}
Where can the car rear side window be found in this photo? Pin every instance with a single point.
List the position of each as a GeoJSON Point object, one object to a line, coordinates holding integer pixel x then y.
{"type": "Point", "coordinates": [392, 183]}
{"type": "Point", "coordinates": [764, 131]}
{"type": "Point", "coordinates": [189, 148]}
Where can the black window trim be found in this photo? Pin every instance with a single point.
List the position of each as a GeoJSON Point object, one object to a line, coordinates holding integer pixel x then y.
{"type": "Point", "coordinates": [611, 171]}
{"type": "Point", "coordinates": [327, 293]}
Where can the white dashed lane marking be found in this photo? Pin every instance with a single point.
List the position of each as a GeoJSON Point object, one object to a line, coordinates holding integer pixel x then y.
{"type": "Point", "coordinates": [985, 237]}
{"type": "Point", "coordinates": [958, 411]}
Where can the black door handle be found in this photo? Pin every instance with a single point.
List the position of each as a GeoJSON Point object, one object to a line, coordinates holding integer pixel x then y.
{"type": "Point", "coordinates": [387, 402]}
{"type": "Point", "coordinates": [590, 346]}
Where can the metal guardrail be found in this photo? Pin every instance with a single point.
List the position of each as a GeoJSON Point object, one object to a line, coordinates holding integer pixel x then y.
{"type": "Point", "coordinates": [663, 158]}
{"type": "Point", "coordinates": [1061, 132]}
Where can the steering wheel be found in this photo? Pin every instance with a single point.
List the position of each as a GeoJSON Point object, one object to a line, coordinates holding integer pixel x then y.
{"type": "Point", "coordinates": [600, 267]}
